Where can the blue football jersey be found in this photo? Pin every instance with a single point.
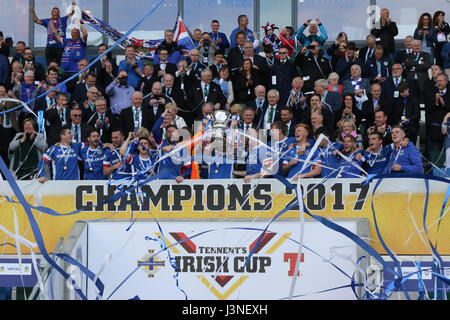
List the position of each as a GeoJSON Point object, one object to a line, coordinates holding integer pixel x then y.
{"type": "Point", "coordinates": [93, 160]}
{"type": "Point", "coordinates": [63, 161]}
{"type": "Point", "coordinates": [297, 168]}
{"type": "Point", "coordinates": [330, 163]}
{"type": "Point", "coordinates": [376, 162]}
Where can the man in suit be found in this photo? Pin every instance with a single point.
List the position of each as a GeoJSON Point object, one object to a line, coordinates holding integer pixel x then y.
{"type": "Point", "coordinates": [389, 88]}
{"type": "Point", "coordinates": [196, 67]}
{"type": "Point", "coordinates": [259, 104]}
{"type": "Point", "coordinates": [29, 63]}
{"type": "Point", "coordinates": [386, 31]}
{"type": "Point", "coordinates": [331, 99]}
{"type": "Point", "coordinates": [287, 118]}
{"type": "Point", "coordinates": [79, 128]}
{"type": "Point", "coordinates": [80, 92]}
{"type": "Point", "coordinates": [366, 52]}
{"type": "Point", "coordinates": [57, 116]}
{"type": "Point", "coordinates": [259, 63]}
{"type": "Point", "coordinates": [378, 68]}
{"type": "Point", "coordinates": [400, 57]}
{"type": "Point", "coordinates": [436, 107]}
{"type": "Point", "coordinates": [406, 111]}
{"type": "Point", "coordinates": [236, 54]}
{"type": "Point", "coordinates": [356, 85]}
{"type": "Point", "coordinates": [272, 111]}
{"type": "Point", "coordinates": [184, 78]}
{"type": "Point", "coordinates": [146, 82]}
{"type": "Point", "coordinates": [417, 65]}
{"type": "Point", "coordinates": [281, 75]}
{"type": "Point", "coordinates": [164, 67]}
{"type": "Point", "coordinates": [204, 91]}
{"type": "Point", "coordinates": [155, 102]}
{"type": "Point", "coordinates": [248, 119]}
{"type": "Point", "coordinates": [430, 83]}
{"type": "Point", "coordinates": [313, 64]}
{"type": "Point", "coordinates": [297, 102]}
{"type": "Point", "coordinates": [375, 102]}
{"type": "Point", "coordinates": [380, 125]}
{"type": "Point", "coordinates": [135, 117]}
{"type": "Point", "coordinates": [101, 120]}
{"type": "Point", "coordinates": [173, 92]}
{"type": "Point", "coordinates": [219, 62]}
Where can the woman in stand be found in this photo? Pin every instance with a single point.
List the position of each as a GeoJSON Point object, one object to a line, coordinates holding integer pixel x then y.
{"type": "Point", "coordinates": [441, 29]}
{"type": "Point", "coordinates": [333, 83]}
{"type": "Point", "coordinates": [223, 80]}
{"type": "Point", "coordinates": [245, 81]}
{"type": "Point", "coordinates": [425, 33]}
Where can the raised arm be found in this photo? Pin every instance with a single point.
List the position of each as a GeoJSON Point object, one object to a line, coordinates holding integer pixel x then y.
{"type": "Point", "coordinates": [56, 34]}
{"type": "Point", "coordinates": [35, 18]}
{"type": "Point", "coordinates": [83, 32]}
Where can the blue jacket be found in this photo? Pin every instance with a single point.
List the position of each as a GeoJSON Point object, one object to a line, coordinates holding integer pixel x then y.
{"type": "Point", "coordinates": [224, 44]}
{"type": "Point", "coordinates": [445, 54]}
{"type": "Point", "coordinates": [233, 35]}
{"type": "Point", "coordinates": [133, 77]}
{"type": "Point", "coordinates": [430, 38]}
{"type": "Point", "coordinates": [408, 157]}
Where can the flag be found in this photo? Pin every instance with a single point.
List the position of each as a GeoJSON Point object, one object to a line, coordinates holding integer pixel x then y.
{"type": "Point", "coordinates": [181, 35]}
{"type": "Point", "coordinates": [144, 48]}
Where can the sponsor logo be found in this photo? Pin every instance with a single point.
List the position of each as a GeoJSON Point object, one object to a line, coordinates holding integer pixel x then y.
{"type": "Point", "coordinates": [221, 269]}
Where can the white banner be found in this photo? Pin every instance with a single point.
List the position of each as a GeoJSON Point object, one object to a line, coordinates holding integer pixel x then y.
{"type": "Point", "coordinates": [213, 265]}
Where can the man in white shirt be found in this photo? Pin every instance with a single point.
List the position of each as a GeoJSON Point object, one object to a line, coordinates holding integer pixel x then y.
{"type": "Point", "coordinates": [272, 113]}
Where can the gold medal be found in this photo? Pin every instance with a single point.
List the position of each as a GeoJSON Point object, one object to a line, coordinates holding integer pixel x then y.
{"type": "Point", "coordinates": [217, 171]}
{"type": "Point", "coordinates": [65, 168]}
{"type": "Point", "coordinates": [90, 169]}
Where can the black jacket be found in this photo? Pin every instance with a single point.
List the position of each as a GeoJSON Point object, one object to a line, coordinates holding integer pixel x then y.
{"type": "Point", "coordinates": [386, 34]}
{"type": "Point", "coordinates": [127, 121]}
{"type": "Point", "coordinates": [284, 74]}
{"type": "Point", "coordinates": [312, 69]}
{"type": "Point", "coordinates": [242, 92]}
{"type": "Point", "coordinates": [434, 114]}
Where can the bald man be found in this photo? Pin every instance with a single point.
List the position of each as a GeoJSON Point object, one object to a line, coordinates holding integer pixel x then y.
{"type": "Point", "coordinates": [135, 117]}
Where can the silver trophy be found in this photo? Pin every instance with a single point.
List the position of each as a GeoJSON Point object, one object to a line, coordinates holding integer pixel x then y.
{"type": "Point", "coordinates": [220, 121]}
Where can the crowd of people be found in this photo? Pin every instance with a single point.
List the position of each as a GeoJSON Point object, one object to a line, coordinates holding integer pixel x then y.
{"type": "Point", "coordinates": [284, 92]}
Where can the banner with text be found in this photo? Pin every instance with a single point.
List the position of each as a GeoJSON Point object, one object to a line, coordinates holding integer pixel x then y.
{"type": "Point", "coordinates": [398, 206]}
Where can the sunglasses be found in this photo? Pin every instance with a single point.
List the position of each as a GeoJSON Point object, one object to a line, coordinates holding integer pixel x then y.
{"type": "Point", "coordinates": [77, 115]}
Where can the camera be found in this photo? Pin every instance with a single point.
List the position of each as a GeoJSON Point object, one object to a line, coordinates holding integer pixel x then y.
{"type": "Point", "coordinates": [206, 43]}
{"type": "Point", "coordinates": [309, 47]}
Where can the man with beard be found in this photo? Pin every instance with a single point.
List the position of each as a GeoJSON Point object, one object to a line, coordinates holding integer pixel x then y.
{"type": "Point", "coordinates": [93, 156]}
{"type": "Point", "coordinates": [114, 160]}
{"type": "Point", "coordinates": [349, 166]}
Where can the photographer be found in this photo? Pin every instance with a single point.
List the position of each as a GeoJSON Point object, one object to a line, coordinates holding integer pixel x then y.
{"type": "Point", "coordinates": [119, 93]}
{"type": "Point", "coordinates": [313, 64]}
{"type": "Point", "coordinates": [26, 148]}
{"type": "Point", "coordinates": [207, 48]}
